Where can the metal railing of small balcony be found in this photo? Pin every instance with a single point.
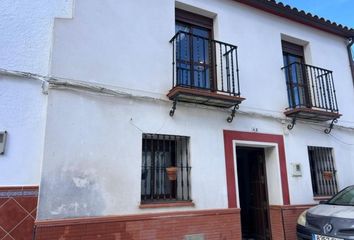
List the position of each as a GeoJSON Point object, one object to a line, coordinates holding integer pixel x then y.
{"type": "Point", "coordinates": [310, 87]}
{"type": "Point", "coordinates": [206, 64]}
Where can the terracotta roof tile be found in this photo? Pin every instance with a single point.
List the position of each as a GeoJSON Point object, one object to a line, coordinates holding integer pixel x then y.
{"type": "Point", "coordinates": [298, 15]}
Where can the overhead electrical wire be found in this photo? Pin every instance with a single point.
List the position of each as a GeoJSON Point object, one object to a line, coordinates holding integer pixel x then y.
{"type": "Point", "coordinates": [61, 83]}
{"type": "Point", "coordinates": [334, 137]}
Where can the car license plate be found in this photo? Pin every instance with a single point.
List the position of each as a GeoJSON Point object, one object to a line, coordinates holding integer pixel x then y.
{"type": "Point", "coordinates": [320, 237]}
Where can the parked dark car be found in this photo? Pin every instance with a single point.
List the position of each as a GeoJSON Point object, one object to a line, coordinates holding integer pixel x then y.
{"type": "Point", "coordinates": [330, 220]}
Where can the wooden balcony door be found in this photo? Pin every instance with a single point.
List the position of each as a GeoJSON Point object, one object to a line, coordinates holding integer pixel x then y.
{"type": "Point", "coordinates": [296, 75]}
{"type": "Point", "coordinates": [194, 50]}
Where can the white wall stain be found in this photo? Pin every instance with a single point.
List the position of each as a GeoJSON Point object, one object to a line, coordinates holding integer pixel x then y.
{"type": "Point", "coordinates": [81, 182]}
{"type": "Point", "coordinates": [58, 210]}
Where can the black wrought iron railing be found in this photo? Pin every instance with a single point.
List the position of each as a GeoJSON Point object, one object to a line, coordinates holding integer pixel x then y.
{"type": "Point", "coordinates": [203, 63]}
{"type": "Point", "coordinates": [310, 87]}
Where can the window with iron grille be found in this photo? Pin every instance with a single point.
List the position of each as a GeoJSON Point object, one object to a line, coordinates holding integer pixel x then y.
{"type": "Point", "coordinates": [323, 172]}
{"type": "Point", "coordinates": [165, 168]}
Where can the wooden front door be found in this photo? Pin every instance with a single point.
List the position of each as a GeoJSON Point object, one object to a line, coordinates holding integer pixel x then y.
{"type": "Point", "coordinates": [253, 193]}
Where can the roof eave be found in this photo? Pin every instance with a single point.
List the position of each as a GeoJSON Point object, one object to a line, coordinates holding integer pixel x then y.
{"type": "Point", "coordinates": [302, 17]}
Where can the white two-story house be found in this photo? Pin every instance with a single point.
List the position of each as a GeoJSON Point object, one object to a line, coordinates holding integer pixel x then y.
{"type": "Point", "coordinates": [192, 119]}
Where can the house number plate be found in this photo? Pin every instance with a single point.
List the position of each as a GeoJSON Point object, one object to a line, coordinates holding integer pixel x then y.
{"type": "Point", "coordinates": [320, 237]}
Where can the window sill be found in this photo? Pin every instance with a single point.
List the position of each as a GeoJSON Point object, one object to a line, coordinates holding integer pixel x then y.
{"type": "Point", "coordinates": [167, 205]}
{"type": "Point", "coordinates": [319, 198]}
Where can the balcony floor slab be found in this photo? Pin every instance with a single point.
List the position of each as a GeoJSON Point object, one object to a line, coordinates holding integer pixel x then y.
{"type": "Point", "coordinates": [205, 97]}
{"type": "Point", "coordinates": [312, 114]}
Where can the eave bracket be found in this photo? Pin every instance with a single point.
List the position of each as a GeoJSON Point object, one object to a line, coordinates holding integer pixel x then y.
{"type": "Point", "coordinates": [292, 124]}
{"type": "Point", "coordinates": [173, 109]}
{"type": "Point", "coordinates": [329, 129]}
{"type": "Point", "coordinates": [233, 113]}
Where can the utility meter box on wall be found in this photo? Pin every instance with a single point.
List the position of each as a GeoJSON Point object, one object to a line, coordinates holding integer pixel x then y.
{"type": "Point", "coordinates": [3, 136]}
{"type": "Point", "coordinates": [296, 170]}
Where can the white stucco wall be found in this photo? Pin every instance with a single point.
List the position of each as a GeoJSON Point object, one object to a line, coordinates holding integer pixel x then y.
{"type": "Point", "coordinates": [25, 45]}
{"type": "Point", "coordinates": [296, 152]}
{"type": "Point", "coordinates": [91, 139]}
{"type": "Point", "coordinates": [98, 45]}
{"type": "Point", "coordinates": [98, 143]}
{"type": "Point", "coordinates": [22, 112]}
{"type": "Point", "coordinates": [26, 33]}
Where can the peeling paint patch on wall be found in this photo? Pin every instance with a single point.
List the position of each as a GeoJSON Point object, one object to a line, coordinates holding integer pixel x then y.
{"type": "Point", "coordinates": [80, 196]}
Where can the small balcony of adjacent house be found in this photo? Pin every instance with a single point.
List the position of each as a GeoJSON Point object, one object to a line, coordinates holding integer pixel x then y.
{"type": "Point", "coordinates": [205, 71]}
{"type": "Point", "coordinates": [311, 93]}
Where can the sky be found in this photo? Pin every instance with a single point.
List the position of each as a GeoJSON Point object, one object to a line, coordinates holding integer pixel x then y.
{"type": "Point", "coordinates": [339, 11]}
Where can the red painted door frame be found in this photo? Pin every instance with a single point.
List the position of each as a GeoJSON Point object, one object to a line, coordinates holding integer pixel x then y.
{"type": "Point", "coordinates": [229, 137]}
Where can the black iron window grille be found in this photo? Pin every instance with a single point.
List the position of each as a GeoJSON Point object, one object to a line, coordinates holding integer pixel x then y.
{"type": "Point", "coordinates": [310, 87]}
{"type": "Point", "coordinates": [323, 172]}
{"type": "Point", "coordinates": [166, 168]}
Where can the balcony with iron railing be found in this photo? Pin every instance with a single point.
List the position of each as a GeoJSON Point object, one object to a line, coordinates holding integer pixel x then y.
{"type": "Point", "coordinates": [311, 93]}
{"type": "Point", "coordinates": [205, 71]}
